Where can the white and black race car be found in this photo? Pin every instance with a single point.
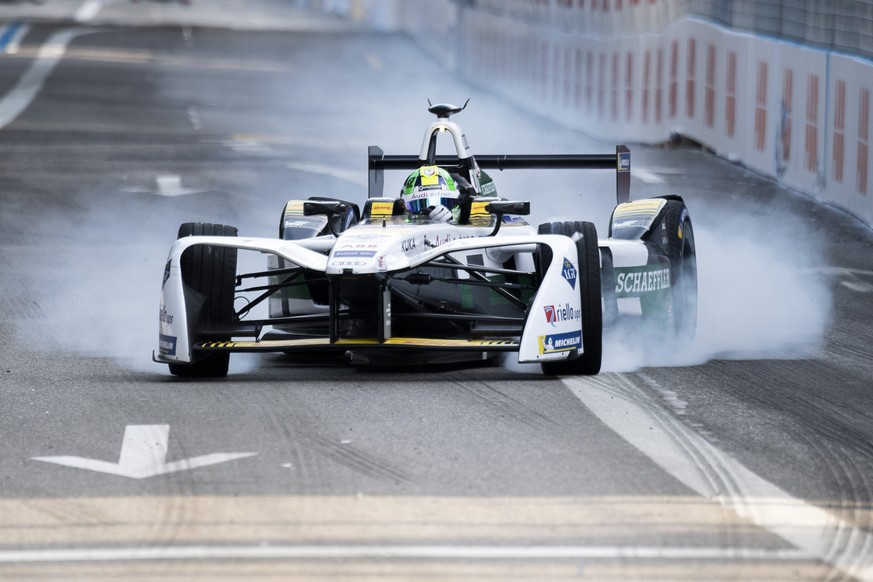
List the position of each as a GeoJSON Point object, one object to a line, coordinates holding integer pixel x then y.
{"type": "Point", "coordinates": [381, 284]}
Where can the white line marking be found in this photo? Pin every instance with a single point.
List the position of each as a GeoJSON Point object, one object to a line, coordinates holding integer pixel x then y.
{"type": "Point", "coordinates": [170, 185]}
{"type": "Point", "coordinates": [15, 41]}
{"type": "Point", "coordinates": [194, 117]}
{"type": "Point", "coordinates": [397, 552]}
{"type": "Point", "coordinates": [88, 10]}
{"type": "Point", "coordinates": [853, 278]}
{"type": "Point", "coordinates": [22, 94]}
{"type": "Point", "coordinates": [714, 474]}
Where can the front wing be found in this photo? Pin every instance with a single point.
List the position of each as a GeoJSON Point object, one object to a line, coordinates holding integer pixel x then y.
{"type": "Point", "coordinates": [548, 326]}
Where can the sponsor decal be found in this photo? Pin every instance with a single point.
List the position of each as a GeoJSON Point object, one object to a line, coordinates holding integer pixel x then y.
{"type": "Point", "coordinates": [635, 282]}
{"type": "Point", "coordinates": [437, 241]}
{"type": "Point", "coordinates": [353, 254]}
{"type": "Point", "coordinates": [381, 209]}
{"type": "Point", "coordinates": [479, 208]}
{"type": "Point", "coordinates": [640, 208]}
{"type": "Point", "coordinates": [624, 162]}
{"type": "Point", "coordinates": [295, 207]}
{"type": "Point", "coordinates": [166, 317]}
{"type": "Point", "coordinates": [167, 344]}
{"type": "Point", "coordinates": [561, 313]}
{"type": "Point", "coordinates": [630, 224]}
{"type": "Point", "coordinates": [428, 191]}
{"type": "Point", "coordinates": [568, 272]}
{"type": "Point", "coordinates": [489, 189]}
{"type": "Point", "coordinates": [682, 218]}
{"type": "Point", "coordinates": [310, 224]}
{"type": "Point", "coordinates": [407, 245]}
{"type": "Point", "coordinates": [348, 263]}
{"type": "Point", "coordinates": [560, 342]}
{"type": "Point", "coordinates": [358, 246]}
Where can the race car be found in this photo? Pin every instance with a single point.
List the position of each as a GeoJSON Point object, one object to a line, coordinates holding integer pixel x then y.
{"type": "Point", "coordinates": [448, 271]}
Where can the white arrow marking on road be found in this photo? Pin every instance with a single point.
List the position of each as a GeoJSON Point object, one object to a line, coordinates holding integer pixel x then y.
{"type": "Point", "coordinates": [143, 454]}
{"type": "Point", "coordinates": [87, 11]}
{"type": "Point", "coordinates": [171, 185]}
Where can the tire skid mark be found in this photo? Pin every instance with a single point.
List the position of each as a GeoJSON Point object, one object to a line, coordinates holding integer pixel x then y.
{"type": "Point", "coordinates": [505, 404]}
{"type": "Point", "coordinates": [853, 484]}
{"type": "Point", "coordinates": [354, 458]}
{"type": "Point", "coordinates": [719, 480]}
{"type": "Point", "coordinates": [818, 415]}
{"type": "Point", "coordinates": [18, 300]}
{"type": "Point", "coordinates": [842, 433]}
{"type": "Point", "coordinates": [712, 473]}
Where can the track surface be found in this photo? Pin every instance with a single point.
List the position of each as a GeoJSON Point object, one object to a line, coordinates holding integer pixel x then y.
{"type": "Point", "coordinates": [748, 459]}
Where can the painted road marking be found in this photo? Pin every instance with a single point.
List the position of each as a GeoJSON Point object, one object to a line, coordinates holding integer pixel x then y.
{"type": "Point", "coordinates": [712, 473]}
{"type": "Point", "coordinates": [306, 520]}
{"type": "Point", "coordinates": [88, 10]}
{"type": "Point", "coordinates": [332, 552]}
{"type": "Point", "coordinates": [143, 454]}
{"type": "Point", "coordinates": [15, 42]}
{"type": "Point", "coordinates": [25, 90]}
{"type": "Point", "coordinates": [10, 37]}
{"type": "Point", "coordinates": [852, 279]}
{"type": "Point", "coordinates": [611, 536]}
{"type": "Point", "coordinates": [170, 185]}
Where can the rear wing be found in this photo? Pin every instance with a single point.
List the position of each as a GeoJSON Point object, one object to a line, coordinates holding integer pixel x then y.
{"type": "Point", "coordinates": [378, 162]}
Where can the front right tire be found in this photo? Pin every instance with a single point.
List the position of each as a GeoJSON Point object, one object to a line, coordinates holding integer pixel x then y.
{"type": "Point", "coordinates": [589, 362]}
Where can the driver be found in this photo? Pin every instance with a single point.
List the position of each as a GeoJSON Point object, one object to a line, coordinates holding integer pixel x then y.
{"type": "Point", "coordinates": [431, 191]}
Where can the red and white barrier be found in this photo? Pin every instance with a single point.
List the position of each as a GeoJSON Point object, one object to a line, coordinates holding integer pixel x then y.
{"type": "Point", "coordinates": [641, 71]}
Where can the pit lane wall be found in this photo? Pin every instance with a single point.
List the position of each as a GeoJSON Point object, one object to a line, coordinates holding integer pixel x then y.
{"type": "Point", "coordinates": [646, 70]}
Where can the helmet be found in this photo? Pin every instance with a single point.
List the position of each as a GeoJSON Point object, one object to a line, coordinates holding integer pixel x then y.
{"type": "Point", "coordinates": [429, 186]}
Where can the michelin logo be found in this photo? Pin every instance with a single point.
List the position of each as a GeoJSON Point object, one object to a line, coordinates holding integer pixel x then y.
{"type": "Point", "coordinates": [560, 342]}
{"type": "Point", "coordinates": [167, 344]}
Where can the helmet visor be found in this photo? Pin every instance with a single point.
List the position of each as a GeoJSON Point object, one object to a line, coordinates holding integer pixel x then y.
{"type": "Point", "coordinates": [418, 202]}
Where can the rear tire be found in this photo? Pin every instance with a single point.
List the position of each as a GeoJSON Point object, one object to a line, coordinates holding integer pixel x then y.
{"type": "Point", "coordinates": [682, 252]}
{"type": "Point", "coordinates": [210, 272]}
{"type": "Point", "coordinates": [587, 364]}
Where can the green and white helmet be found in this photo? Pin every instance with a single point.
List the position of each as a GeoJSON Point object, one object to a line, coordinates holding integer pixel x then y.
{"type": "Point", "coordinates": [429, 186]}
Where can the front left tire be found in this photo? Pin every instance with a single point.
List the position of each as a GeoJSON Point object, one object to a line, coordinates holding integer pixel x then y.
{"type": "Point", "coordinates": [682, 253]}
{"type": "Point", "coordinates": [209, 273]}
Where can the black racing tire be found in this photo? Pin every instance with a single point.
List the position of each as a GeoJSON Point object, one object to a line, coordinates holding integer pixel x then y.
{"type": "Point", "coordinates": [682, 253]}
{"type": "Point", "coordinates": [210, 273]}
{"type": "Point", "coordinates": [585, 235]}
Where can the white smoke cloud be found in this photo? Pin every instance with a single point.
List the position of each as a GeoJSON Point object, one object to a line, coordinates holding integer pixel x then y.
{"type": "Point", "coordinates": [760, 293]}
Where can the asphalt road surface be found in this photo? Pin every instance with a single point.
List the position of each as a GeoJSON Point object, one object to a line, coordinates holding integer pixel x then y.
{"type": "Point", "coordinates": [750, 457]}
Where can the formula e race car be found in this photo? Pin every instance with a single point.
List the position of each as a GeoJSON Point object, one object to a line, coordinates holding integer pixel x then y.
{"type": "Point", "coordinates": [406, 280]}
